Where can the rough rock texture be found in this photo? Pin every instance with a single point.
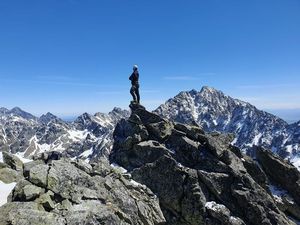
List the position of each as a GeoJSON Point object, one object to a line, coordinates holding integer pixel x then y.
{"type": "Point", "coordinates": [88, 137]}
{"type": "Point", "coordinates": [216, 111]}
{"type": "Point", "coordinates": [199, 178]}
{"type": "Point", "coordinates": [284, 175]}
{"type": "Point", "coordinates": [56, 190]}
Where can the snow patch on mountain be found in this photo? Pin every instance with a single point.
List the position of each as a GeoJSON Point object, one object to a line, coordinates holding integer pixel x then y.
{"type": "Point", "coordinates": [215, 111]}
{"type": "Point", "coordinates": [5, 191]}
{"type": "Point", "coordinates": [89, 136]}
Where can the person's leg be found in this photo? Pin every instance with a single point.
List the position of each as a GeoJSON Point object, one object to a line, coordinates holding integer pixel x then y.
{"type": "Point", "coordinates": [137, 93]}
{"type": "Point", "coordinates": [132, 90]}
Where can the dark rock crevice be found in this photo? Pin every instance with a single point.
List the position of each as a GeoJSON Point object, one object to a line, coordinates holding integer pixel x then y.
{"type": "Point", "coordinates": [234, 187]}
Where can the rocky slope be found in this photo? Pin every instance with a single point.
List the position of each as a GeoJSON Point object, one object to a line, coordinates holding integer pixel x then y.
{"type": "Point", "coordinates": [176, 175]}
{"type": "Point", "coordinates": [200, 178]}
{"type": "Point", "coordinates": [90, 136]}
{"type": "Point", "coordinates": [87, 137]}
{"type": "Point", "coordinates": [216, 111]}
{"type": "Point", "coordinates": [57, 191]}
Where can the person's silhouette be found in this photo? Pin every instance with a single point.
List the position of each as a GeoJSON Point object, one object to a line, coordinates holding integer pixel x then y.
{"type": "Point", "coordinates": [134, 90]}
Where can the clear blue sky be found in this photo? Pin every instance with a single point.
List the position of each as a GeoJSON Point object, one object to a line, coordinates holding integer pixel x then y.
{"type": "Point", "coordinates": [72, 56]}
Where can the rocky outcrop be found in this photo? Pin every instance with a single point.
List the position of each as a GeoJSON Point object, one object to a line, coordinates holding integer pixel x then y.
{"type": "Point", "coordinates": [199, 178]}
{"type": "Point", "coordinates": [216, 111]}
{"type": "Point", "coordinates": [11, 170]}
{"type": "Point", "coordinates": [56, 190]}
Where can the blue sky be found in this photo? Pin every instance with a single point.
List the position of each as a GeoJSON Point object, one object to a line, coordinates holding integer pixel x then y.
{"type": "Point", "coordinates": [75, 56]}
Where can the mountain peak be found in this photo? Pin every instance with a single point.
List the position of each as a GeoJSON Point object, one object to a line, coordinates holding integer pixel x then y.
{"type": "Point", "coordinates": [46, 118]}
{"type": "Point", "coordinates": [208, 89]}
{"type": "Point", "coordinates": [19, 112]}
{"type": "Point", "coordinates": [216, 111]}
{"type": "Point", "coordinates": [3, 110]}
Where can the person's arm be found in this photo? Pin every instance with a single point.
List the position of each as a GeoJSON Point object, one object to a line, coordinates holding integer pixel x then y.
{"type": "Point", "coordinates": [131, 76]}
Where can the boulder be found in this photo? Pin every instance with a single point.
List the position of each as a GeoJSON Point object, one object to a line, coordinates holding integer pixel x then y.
{"type": "Point", "coordinates": [187, 169]}
{"type": "Point", "coordinates": [8, 175]}
{"type": "Point", "coordinates": [281, 172]}
{"type": "Point", "coordinates": [178, 190]}
{"type": "Point", "coordinates": [159, 131]}
{"type": "Point", "coordinates": [12, 161]}
{"type": "Point", "coordinates": [255, 171]}
{"type": "Point", "coordinates": [27, 213]}
{"type": "Point", "coordinates": [26, 191]}
{"type": "Point", "coordinates": [222, 214]}
{"type": "Point", "coordinates": [65, 192]}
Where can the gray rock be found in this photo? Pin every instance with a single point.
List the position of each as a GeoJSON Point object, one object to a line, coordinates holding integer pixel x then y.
{"type": "Point", "coordinates": [80, 164]}
{"type": "Point", "coordinates": [193, 132]}
{"type": "Point", "coordinates": [178, 190]}
{"type": "Point", "coordinates": [160, 131]}
{"type": "Point", "coordinates": [8, 175]}
{"type": "Point", "coordinates": [194, 168]}
{"type": "Point", "coordinates": [3, 165]}
{"type": "Point", "coordinates": [27, 213]}
{"type": "Point", "coordinates": [25, 191]}
{"type": "Point", "coordinates": [12, 161]}
{"type": "Point", "coordinates": [255, 171]}
{"type": "Point", "coordinates": [46, 202]}
{"type": "Point", "coordinates": [38, 175]}
{"type": "Point", "coordinates": [70, 195]}
{"type": "Point", "coordinates": [27, 166]}
{"type": "Point", "coordinates": [286, 174]}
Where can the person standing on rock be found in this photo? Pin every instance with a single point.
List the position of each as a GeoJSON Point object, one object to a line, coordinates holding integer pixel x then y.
{"type": "Point", "coordinates": [134, 90]}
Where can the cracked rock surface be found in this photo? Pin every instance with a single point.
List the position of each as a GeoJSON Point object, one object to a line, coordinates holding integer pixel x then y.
{"type": "Point", "coordinates": [59, 191]}
{"type": "Point", "coordinates": [199, 178]}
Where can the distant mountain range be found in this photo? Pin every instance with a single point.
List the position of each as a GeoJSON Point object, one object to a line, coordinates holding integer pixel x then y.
{"type": "Point", "coordinates": [215, 111]}
{"type": "Point", "coordinates": [90, 136]}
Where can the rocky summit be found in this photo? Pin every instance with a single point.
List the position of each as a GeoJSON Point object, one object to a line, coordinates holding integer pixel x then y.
{"type": "Point", "coordinates": [159, 172]}
{"type": "Point", "coordinates": [200, 178]}
{"type": "Point", "coordinates": [216, 111]}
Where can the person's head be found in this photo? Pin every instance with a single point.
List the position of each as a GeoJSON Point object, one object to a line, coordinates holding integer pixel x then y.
{"type": "Point", "coordinates": [135, 67]}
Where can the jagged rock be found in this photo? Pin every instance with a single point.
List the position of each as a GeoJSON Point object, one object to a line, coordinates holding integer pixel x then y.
{"type": "Point", "coordinates": [47, 156]}
{"type": "Point", "coordinates": [159, 131]}
{"type": "Point", "coordinates": [194, 168]}
{"type": "Point", "coordinates": [46, 201]}
{"type": "Point", "coordinates": [145, 116]}
{"type": "Point", "coordinates": [3, 165]}
{"type": "Point", "coordinates": [281, 172]}
{"type": "Point", "coordinates": [86, 167]}
{"type": "Point", "coordinates": [287, 204]}
{"type": "Point", "coordinates": [28, 135]}
{"type": "Point", "coordinates": [26, 191]}
{"type": "Point", "coordinates": [12, 161]}
{"type": "Point", "coordinates": [143, 152]}
{"type": "Point", "coordinates": [72, 193]}
{"type": "Point", "coordinates": [27, 213]}
{"type": "Point", "coordinates": [135, 119]}
{"type": "Point", "coordinates": [187, 151]}
{"type": "Point", "coordinates": [218, 143]}
{"type": "Point", "coordinates": [192, 132]}
{"type": "Point", "coordinates": [38, 175]}
{"type": "Point", "coordinates": [27, 166]}
{"type": "Point", "coordinates": [8, 175]}
{"type": "Point", "coordinates": [216, 111]}
{"type": "Point", "coordinates": [217, 183]}
{"type": "Point", "coordinates": [222, 214]}
{"type": "Point", "coordinates": [255, 171]}
{"type": "Point", "coordinates": [101, 168]}
{"type": "Point", "coordinates": [177, 189]}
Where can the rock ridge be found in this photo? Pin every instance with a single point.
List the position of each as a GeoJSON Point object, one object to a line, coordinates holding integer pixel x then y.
{"type": "Point", "coordinates": [199, 178]}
